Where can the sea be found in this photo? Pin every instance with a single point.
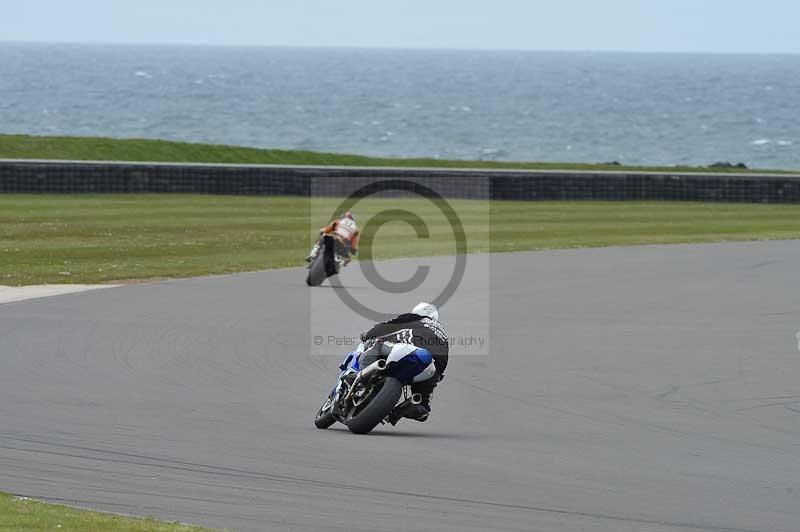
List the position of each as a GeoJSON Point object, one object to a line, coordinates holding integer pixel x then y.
{"type": "Point", "coordinates": [634, 108]}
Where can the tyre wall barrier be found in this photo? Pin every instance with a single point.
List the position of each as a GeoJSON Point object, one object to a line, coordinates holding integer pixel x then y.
{"type": "Point", "coordinates": [70, 177]}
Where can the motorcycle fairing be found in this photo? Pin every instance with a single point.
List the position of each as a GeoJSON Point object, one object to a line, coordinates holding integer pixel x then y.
{"type": "Point", "coordinates": [407, 361]}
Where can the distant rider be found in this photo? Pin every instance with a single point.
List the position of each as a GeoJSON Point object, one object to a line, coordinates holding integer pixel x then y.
{"type": "Point", "coordinates": [422, 328]}
{"type": "Point", "coordinates": [345, 230]}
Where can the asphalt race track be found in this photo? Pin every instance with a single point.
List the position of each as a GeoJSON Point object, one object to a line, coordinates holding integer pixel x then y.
{"type": "Point", "coordinates": [627, 389]}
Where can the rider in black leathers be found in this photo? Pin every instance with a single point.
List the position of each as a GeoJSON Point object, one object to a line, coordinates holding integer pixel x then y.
{"type": "Point", "coordinates": [422, 328]}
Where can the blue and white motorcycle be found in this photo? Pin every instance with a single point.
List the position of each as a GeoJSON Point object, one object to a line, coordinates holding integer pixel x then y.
{"type": "Point", "coordinates": [372, 381]}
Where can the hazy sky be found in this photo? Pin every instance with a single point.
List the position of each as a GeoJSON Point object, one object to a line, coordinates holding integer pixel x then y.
{"type": "Point", "coordinates": [636, 25]}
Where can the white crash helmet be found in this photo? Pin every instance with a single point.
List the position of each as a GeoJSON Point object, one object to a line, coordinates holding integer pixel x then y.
{"type": "Point", "coordinates": [426, 309]}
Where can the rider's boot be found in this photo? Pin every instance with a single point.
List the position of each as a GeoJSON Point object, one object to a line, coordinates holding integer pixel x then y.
{"type": "Point", "coordinates": [418, 412]}
{"type": "Point", "coordinates": [415, 412]}
{"type": "Point", "coordinates": [423, 410]}
{"type": "Point", "coordinates": [313, 253]}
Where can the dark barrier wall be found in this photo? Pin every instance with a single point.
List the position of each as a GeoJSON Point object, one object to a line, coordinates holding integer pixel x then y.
{"type": "Point", "coordinates": [81, 177]}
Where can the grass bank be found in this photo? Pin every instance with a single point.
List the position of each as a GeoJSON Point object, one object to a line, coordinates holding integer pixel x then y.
{"type": "Point", "coordinates": [18, 514]}
{"type": "Point", "coordinates": [103, 238]}
{"type": "Point", "coordinates": [107, 149]}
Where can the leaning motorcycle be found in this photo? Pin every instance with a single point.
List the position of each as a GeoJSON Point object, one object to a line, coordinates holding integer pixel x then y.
{"type": "Point", "coordinates": [329, 260]}
{"type": "Point", "coordinates": [373, 380]}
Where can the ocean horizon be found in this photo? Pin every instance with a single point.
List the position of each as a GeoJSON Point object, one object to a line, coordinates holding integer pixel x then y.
{"type": "Point", "coordinates": [647, 108]}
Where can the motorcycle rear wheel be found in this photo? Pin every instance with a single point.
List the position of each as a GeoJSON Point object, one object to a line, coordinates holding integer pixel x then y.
{"type": "Point", "coordinates": [380, 406]}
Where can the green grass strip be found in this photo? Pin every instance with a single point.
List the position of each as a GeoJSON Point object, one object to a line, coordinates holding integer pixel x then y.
{"type": "Point", "coordinates": [21, 514]}
{"type": "Point", "coordinates": [107, 237]}
{"type": "Point", "coordinates": [108, 149]}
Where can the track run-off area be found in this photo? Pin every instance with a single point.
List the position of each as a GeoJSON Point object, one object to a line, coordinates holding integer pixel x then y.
{"type": "Point", "coordinates": [619, 389]}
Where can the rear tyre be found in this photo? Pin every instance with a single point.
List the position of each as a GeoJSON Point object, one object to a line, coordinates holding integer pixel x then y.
{"type": "Point", "coordinates": [377, 409]}
{"type": "Point", "coordinates": [316, 272]}
{"type": "Point", "coordinates": [324, 417]}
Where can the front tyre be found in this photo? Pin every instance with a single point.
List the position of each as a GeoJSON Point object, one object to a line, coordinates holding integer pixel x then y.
{"type": "Point", "coordinates": [381, 405]}
{"type": "Point", "coordinates": [324, 417]}
{"type": "Point", "coordinates": [316, 272]}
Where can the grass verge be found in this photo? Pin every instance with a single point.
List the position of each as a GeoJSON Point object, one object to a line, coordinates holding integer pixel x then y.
{"type": "Point", "coordinates": [104, 238]}
{"type": "Point", "coordinates": [108, 149]}
{"type": "Point", "coordinates": [22, 514]}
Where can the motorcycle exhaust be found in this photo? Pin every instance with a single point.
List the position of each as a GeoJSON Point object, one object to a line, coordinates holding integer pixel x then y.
{"type": "Point", "coordinates": [366, 374]}
{"type": "Point", "coordinates": [408, 406]}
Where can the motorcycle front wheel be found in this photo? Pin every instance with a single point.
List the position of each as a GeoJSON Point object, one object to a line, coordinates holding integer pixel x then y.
{"type": "Point", "coordinates": [316, 272]}
{"type": "Point", "coordinates": [324, 417]}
